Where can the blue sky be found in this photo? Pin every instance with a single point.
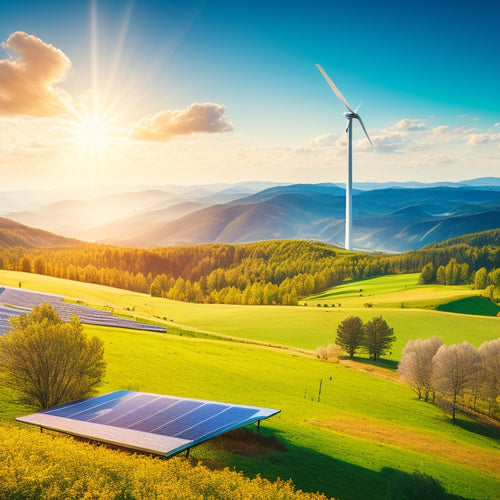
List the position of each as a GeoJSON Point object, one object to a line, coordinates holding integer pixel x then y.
{"type": "Point", "coordinates": [426, 73]}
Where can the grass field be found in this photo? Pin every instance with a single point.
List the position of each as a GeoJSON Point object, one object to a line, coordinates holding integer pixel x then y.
{"type": "Point", "coordinates": [399, 290]}
{"type": "Point", "coordinates": [471, 305]}
{"type": "Point", "coordinates": [366, 432]}
{"type": "Point", "coordinates": [297, 326]}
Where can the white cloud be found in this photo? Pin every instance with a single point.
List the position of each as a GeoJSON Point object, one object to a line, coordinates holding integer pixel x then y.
{"type": "Point", "coordinates": [441, 130]}
{"type": "Point", "coordinates": [198, 118]}
{"type": "Point", "coordinates": [324, 140]}
{"type": "Point", "coordinates": [388, 143]}
{"type": "Point", "coordinates": [411, 125]}
{"type": "Point", "coordinates": [475, 139]}
{"type": "Point", "coordinates": [26, 83]}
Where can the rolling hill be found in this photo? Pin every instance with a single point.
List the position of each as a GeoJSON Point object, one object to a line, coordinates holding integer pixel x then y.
{"type": "Point", "coordinates": [13, 234]}
{"type": "Point", "coordinates": [73, 217]}
{"type": "Point", "coordinates": [367, 431]}
{"type": "Point", "coordinates": [397, 218]}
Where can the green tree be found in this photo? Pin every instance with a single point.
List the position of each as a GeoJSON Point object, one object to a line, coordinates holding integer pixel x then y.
{"type": "Point", "coordinates": [464, 273]}
{"type": "Point", "coordinates": [451, 272]}
{"type": "Point", "coordinates": [480, 280]}
{"type": "Point", "coordinates": [378, 338]}
{"type": "Point", "coordinates": [494, 277]}
{"type": "Point", "coordinates": [350, 335]}
{"type": "Point", "coordinates": [47, 361]}
{"type": "Point", "coordinates": [440, 275]}
{"type": "Point", "coordinates": [428, 275]}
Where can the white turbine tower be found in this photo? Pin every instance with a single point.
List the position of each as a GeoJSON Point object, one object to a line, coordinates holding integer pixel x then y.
{"type": "Point", "coordinates": [348, 195]}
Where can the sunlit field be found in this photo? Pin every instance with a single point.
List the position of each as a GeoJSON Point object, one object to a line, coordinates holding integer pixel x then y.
{"type": "Point", "coordinates": [304, 327]}
{"type": "Point", "coordinates": [346, 445]}
{"type": "Point", "coordinates": [399, 290]}
{"type": "Point", "coordinates": [366, 431]}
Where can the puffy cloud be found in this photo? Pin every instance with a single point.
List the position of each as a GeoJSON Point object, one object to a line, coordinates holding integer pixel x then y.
{"type": "Point", "coordinates": [441, 130]}
{"type": "Point", "coordinates": [207, 117]}
{"type": "Point", "coordinates": [390, 143]}
{"type": "Point", "coordinates": [411, 125]}
{"type": "Point", "coordinates": [324, 140]}
{"type": "Point", "coordinates": [26, 83]}
{"type": "Point", "coordinates": [475, 139]}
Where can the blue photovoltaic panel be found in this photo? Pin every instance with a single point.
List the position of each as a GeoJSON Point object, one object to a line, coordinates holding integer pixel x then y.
{"type": "Point", "coordinates": [147, 422]}
{"type": "Point", "coordinates": [28, 299]}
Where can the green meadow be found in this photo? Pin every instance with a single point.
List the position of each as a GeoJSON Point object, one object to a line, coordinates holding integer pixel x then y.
{"type": "Point", "coordinates": [399, 290]}
{"type": "Point", "coordinates": [366, 432]}
{"type": "Point", "coordinates": [303, 327]}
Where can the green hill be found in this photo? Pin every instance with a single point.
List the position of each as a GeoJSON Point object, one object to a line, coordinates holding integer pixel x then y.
{"type": "Point", "coordinates": [480, 239]}
{"type": "Point", "coordinates": [366, 432]}
{"type": "Point", "coordinates": [471, 305]}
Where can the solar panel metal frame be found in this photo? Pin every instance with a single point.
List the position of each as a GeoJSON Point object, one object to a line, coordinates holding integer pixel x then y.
{"type": "Point", "coordinates": [64, 418]}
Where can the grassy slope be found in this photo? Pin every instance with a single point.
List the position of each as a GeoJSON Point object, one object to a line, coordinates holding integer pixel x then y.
{"type": "Point", "coordinates": [349, 445]}
{"type": "Point", "coordinates": [471, 305]}
{"type": "Point", "coordinates": [302, 327]}
{"type": "Point", "coordinates": [391, 291]}
{"type": "Point", "coordinates": [365, 432]}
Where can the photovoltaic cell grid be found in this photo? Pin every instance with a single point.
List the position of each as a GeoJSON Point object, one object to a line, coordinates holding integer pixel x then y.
{"type": "Point", "coordinates": [28, 299]}
{"type": "Point", "coordinates": [147, 422]}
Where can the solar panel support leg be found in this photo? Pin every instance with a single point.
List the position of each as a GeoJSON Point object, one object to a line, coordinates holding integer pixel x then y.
{"type": "Point", "coordinates": [41, 430]}
{"type": "Point", "coordinates": [258, 426]}
{"type": "Point", "coordinates": [187, 452]}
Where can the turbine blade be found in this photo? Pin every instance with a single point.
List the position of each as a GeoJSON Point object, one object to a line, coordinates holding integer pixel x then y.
{"type": "Point", "coordinates": [366, 133]}
{"type": "Point", "coordinates": [335, 89]}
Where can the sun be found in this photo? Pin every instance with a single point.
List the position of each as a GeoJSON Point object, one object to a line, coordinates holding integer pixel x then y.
{"type": "Point", "coordinates": [92, 134]}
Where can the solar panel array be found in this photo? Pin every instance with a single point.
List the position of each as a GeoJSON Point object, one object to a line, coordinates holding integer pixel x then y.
{"type": "Point", "coordinates": [148, 422]}
{"type": "Point", "coordinates": [26, 300]}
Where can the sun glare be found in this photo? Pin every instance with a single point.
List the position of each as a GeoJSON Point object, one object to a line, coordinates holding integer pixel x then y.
{"type": "Point", "coordinates": [92, 134]}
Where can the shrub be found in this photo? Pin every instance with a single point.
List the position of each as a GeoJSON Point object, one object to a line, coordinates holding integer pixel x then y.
{"type": "Point", "coordinates": [34, 465]}
{"type": "Point", "coordinates": [47, 361]}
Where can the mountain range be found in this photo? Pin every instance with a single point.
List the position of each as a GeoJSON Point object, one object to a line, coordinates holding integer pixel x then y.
{"type": "Point", "coordinates": [387, 217]}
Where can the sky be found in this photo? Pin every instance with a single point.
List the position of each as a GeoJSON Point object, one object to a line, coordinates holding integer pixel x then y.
{"type": "Point", "coordinates": [107, 92]}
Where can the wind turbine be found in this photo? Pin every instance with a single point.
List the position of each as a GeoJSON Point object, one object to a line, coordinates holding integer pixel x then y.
{"type": "Point", "coordinates": [348, 195]}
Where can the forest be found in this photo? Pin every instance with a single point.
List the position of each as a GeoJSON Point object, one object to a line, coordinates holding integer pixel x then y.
{"type": "Point", "coordinates": [268, 272]}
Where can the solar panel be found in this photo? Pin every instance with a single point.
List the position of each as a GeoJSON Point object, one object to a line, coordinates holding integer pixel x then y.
{"type": "Point", "coordinates": [147, 422]}
{"type": "Point", "coordinates": [65, 310]}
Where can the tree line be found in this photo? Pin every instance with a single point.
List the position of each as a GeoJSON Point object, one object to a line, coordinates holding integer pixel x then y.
{"type": "Point", "coordinates": [457, 274]}
{"type": "Point", "coordinates": [459, 374]}
{"type": "Point", "coordinates": [272, 272]}
{"type": "Point", "coordinates": [268, 272]}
